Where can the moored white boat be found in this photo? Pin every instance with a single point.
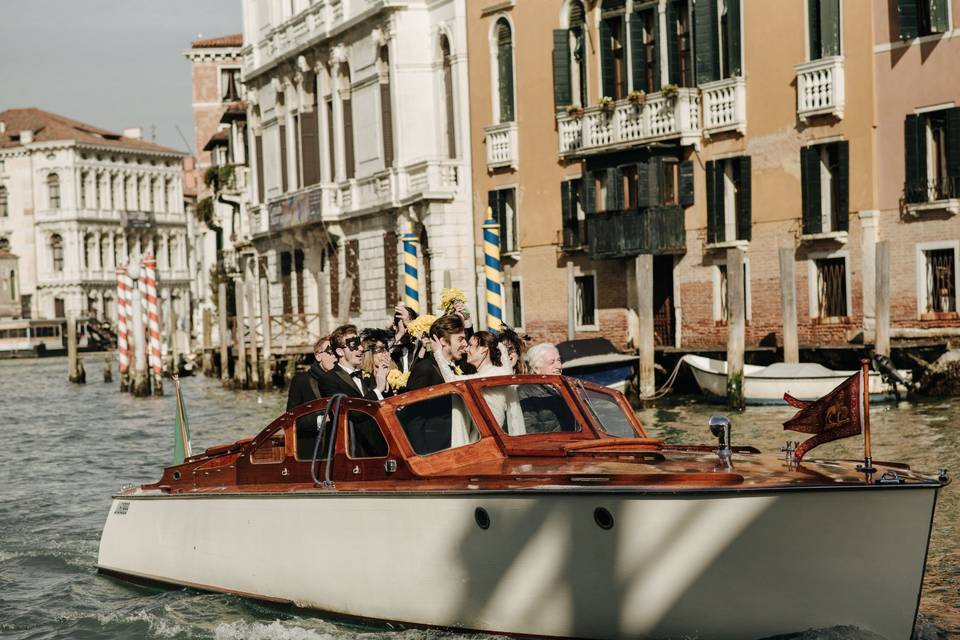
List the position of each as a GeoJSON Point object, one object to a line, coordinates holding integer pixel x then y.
{"type": "Point", "coordinates": [569, 532]}
{"type": "Point", "coordinates": [766, 385]}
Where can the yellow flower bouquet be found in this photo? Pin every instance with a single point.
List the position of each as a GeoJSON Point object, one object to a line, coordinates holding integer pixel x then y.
{"type": "Point", "coordinates": [397, 379]}
{"type": "Point", "coordinates": [420, 326]}
{"type": "Point", "coordinates": [449, 297]}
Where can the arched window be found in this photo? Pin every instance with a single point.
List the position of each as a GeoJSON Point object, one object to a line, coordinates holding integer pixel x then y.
{"type": "Point", "coordinates": [503, 41]}
{"type": "Point", "coordinates": [171, 252]}
{"type": "Point", "coordinates": [448, 97]}
{"type": "Point", "coordinates": [104, 251]}
{"type": "Point", "coordinates": [139, 192]}
{"type": "Point", "coordinates": [4, 244]}
{"type": "Point", "coordinates": [84, 176]}
{"type": "Point", "coordinates": [153, 193]}
{"type": "Point", "coordinates": [386, 107]}
{"type": "Point", "coordinates": [128, 200]}
{"type": "Point", "coordinates": [13, 285]}
{"type": "Point", "coordinates": [53, 190]}
{"type": "Point", "coordinates": [56, 252]}
{"type": "Point", "coordinates": [166, 194]}
{"type": "Point", "coordinates": [4, 203]}
{"type": "Point", "coordinates": [613, 49]}
{"type": "Point", "coordinates": [97, 196]}
{"type": "Point", "coordinates": [347, 108]}
{"type": "Point", "coordinates": [89, 246]}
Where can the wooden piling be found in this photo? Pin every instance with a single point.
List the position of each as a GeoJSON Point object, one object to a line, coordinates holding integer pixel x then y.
{"type": "Point", "coordinates": [108, 368]}
{"type": "Point", "coordinates": [140, 386]}
{"type": "Point", "coordinates": [788, 301]}
{"type": "Point", "coordinates": [251, 291]}
{"type": "Point", "coordinates": [883, 298]}
{"type": "Point", "coordinates": [643, 265]}
{"type": "Point", "coordinates": [207, 343]}
{"type": "Point", "coordinates": [736, 328]}
{"type": "Point", "coordinates": [571, 303]}
{"type": "Point", "coordinates": [265, 323]}
{"type": "Point", "coordinates": [239, 339]}
{"type": "Point", "coordinates": [76, 373]}
{"type": "Point", "coordinates": [222, 326]}
{"type": "Point", "coordinates": [172, 334]}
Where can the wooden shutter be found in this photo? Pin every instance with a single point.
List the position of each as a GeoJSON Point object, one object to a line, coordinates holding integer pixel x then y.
{"type": "Point", "coordinates": [842, 177]}
{"type": "Point", "coordinates": [734, 53]}
{"type": "Point", "coordinates": [907, 19]}
{"type": "Point", "coordinates": [505, 68]}
{"type": "Point", "coordinates": [390, 270]}
{"type": "Point", "coordinates": [283, 158]}
{"type": "Point", "coordinates": [915, 166]}
{"type": "Point", "coordinates": [810, 188]}
{"type": "Point", "coordinates": [686, 183]}
{"type": "Point", "coordinates": [562, 94]}
{"type": "Point", "coordinates": [953, 152]}
{"type": "Point", "coordinates": [813, 29]}
{"type": "Point", "coordinates": [310, 147]}
{"type": "Point", "coordinates": [939, 22]}
{"type": "Point", "coordinates": [333, 259]}
{"type": "Point", "coordinates": [714, 204]}
{"type": "Point", "coordinates": [386, 118]}
{"type": "Point", "coordinates": [353, 271]}
{"type": "Point", "coordinates": [744, 198]}
{"type": "Point", "coordinates": [258, 149]}
{"type": "Point", "coordinates": [565, 209]}
{"type": "Point", "coordinates": [350, 169]}
{"type": "Point", "coordinates": [589, 192]}
{"type": "Point", "coordinates": [830, 27]}
{"type": "Point", "coordinates": [706, 48]}
{"type": "Point", "coordinates": [608, 78]}
{"type": "Point", "coordinates": [637, 54]}
{"type": "Point", "coordinates": [673, 49]}
{"type": "Point", "coordinates": [614, 183]}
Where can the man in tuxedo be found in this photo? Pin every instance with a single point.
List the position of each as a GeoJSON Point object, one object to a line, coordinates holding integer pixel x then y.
{"type": "Point", "coordinates": [305, 385]}
{"type": "Point", "coordinates": [428, 427]}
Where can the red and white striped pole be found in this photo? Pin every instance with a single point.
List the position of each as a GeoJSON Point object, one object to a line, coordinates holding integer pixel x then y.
{"type": "Point", "coordinates": [155, 361]}
{"type": "Point", "coordinates": [123, 345]}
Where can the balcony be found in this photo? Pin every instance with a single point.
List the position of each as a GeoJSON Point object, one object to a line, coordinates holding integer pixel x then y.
{"type": "Point", "coordinates": [820, 88]}
{"type": "Point", "coordinates": [501, 141]}
{"type": "Point", "coordinates": [660, 117]}
{"type": "Point", "coordinates": [631, 232]}
{"type": "Point", "coordinates": [724, 106]}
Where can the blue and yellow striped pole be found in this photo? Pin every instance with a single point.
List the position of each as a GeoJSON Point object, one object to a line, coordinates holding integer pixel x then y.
{"type": "Point", "coordinates": [492, 272]}
{"type": "Point", "coordinates": [411, 281]}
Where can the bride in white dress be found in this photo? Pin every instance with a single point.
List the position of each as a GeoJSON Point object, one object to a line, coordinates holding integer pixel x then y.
{"type": "Point", "coordinates": [490, 358]}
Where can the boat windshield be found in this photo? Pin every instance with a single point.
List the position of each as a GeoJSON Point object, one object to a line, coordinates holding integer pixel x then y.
{"type": "Point", "coordinates": [525, 409]}
{"type": "Point", "coordinates": [608, 413]}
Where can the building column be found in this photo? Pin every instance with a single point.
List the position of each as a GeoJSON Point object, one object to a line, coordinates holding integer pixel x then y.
{"type": "Point", "coordinates": [869, 235]}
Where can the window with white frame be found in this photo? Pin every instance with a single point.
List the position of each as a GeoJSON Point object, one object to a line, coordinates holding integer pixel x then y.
{"type": "Point", "coordinates": [585, 291]}
{"type": "Point", "coordinates": [503, 71]}
{"type": "Point", "coordinates": [937, 279]}
{"type": "Point", "coordinates": [720, 291]}
{"type": "Point", "coordinates": [231, 89]}
{"type": "Point", "coordinates": [825, 186]}
{"type": "Point", "coordinates": [729, 214]}
{"type": "Point", "coordinates": [53, 190]}
{"type": "Point", "coordinates": [823, 28]}
{"type": "Point", "coordinates": [56, 252]}
{"type": "Point", "coordinates": [829, 286]}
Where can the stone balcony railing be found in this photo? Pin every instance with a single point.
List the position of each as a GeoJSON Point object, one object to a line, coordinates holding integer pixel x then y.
{"type": "Point", "coordinates": [724, 106]}
{"type": "Point", "coordinates": [820, 88]}
{"type": "Point", "coordinates": [501, 141]}
{"type": "Point", "coordinates": [659, 117]}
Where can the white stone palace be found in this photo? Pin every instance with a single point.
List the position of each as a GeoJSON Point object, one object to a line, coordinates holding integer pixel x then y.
{"type": "Point", "coordinates": [76, 201]}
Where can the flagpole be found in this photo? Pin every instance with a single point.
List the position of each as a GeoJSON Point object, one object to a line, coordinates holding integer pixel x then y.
{"type": "Point", "coordinates": [867, 466]}
{"type": "Point", "coordinates": [183, 432]}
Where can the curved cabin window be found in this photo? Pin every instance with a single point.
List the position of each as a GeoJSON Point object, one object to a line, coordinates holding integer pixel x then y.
{"type": "Point", "coordinates": [364, 437]}
{"type": "Point", "coordinates": [271, 450]}
{"type": "Point", "coordinates": [525, 409]}
{"type": "Point", "coordinates": [608, 413]}
{"type": "Point", "coordinates": [306, 437]}
{"type": "Point", "coordinates": [437, 424]}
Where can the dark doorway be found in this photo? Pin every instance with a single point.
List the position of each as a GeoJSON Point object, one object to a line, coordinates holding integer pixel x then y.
{"type": "Point", "coordinates": [664, 321]}
{"type": "Point", "coordinates": [59, 308]}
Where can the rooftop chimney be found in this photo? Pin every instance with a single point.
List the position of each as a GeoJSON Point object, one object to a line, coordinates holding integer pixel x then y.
{"type": "Point", "coordinates": [26, 136]}
{"type": "Point", "coordinates": [135, 133]}
{"type": "Point", "coordinates": [3, 126]}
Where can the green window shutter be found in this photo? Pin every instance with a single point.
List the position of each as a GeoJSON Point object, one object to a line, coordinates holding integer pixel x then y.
{"type": "Point", "coordinates": [673, 51]}
{"type": "Point", "coordinates": [505, 70]}
{"type": "Point", "coordinates": [561, 69]}
{"type": "Point", "coordinates": [843, 185]}
{"type": "Point", "coordinates": [744, 198]}
{"type": "Point", "coordinates": [915, 170]}
{"type": "Point", "coordinates": [953, 152]}
{"type": "Point", "coordinates": [638, 54]}
{"type": "Point", "coordinates": [589, 192]}
{"type": "Point", "coordinates": [939, 20]}
{"type": "Point", "coordinates": [493, 203]}
{"type": "Point", "coordinates": [713, 207]}
{"type": "Point", "coordinates": [907, 19]}
{"type": "Point", "coordinates": [830, 27]}
{"type": "Point", "coordinates": [705, 32]}
{"type": "Point", "coordinates": [614, 183]}
{"type": "Point", "coordinates": [686, 183]}
{"type": "Point", "coordinates": [643, 185]}
{"type": "Point", "coordinates": [607, 72]}
{"type": "Point", "coordinates": [813, 29]}
{"type": "Point", "coordinates": [734, 53]}
{"type": "Point", "coordinates": [283, 158]}
{"type": "Point", "coordinates": [810, 186]}
{"type": "Point", "coordinates": [565, 203]}
{"type": "Point", "coordinates": [654, 177]}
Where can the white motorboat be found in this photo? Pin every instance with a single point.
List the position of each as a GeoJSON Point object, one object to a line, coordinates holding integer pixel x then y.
{"type": "Point", "coordinates": [766, 385]}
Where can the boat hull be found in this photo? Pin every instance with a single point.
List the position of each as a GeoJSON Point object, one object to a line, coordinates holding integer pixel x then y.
{"type": "Point", "coordinates": [718, 565]}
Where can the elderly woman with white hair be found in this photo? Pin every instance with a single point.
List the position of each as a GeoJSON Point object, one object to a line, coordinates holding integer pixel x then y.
{"type": "Point", "coordinates": [544, 359]}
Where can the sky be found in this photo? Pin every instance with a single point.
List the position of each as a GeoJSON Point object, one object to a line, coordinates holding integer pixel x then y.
{"type": "Point", "coordinates": [110, 63]}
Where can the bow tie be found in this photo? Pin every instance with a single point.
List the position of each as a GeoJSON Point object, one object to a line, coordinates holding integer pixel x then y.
{"type": "Point", "coordinates": [356, 373]}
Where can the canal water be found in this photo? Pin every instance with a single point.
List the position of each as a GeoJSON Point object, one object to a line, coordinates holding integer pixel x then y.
{"type": "Point", "coordinates": [65, 448]}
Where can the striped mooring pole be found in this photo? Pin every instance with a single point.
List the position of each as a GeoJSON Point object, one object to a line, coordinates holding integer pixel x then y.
{"type": "Point", "coordinates": [123, 344]}
{"type": "Point", "coordinates": [155, 361]}
{"type": "Point", "coordinates": [493, 272]}
{"type": "Point", "coordinates": [411, 280]}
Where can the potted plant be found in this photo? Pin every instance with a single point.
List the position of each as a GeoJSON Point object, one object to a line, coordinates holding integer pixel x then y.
{"type": "Point", "coordinates": [607, 105]}
{"type": "Point", "coordinates": [670, 90]}
{"type": "Point", "coordinates": [574, 111]}
{"type": "Point", "coordinates": [637, 97]}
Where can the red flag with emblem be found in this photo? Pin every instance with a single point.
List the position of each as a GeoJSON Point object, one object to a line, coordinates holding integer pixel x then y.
{"type": "Point", "coordinates": [839, 414]}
